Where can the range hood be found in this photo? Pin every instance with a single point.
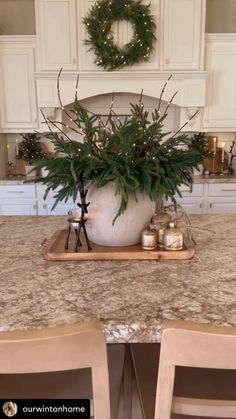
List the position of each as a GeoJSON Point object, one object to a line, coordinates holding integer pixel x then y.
{"type": "Point", "coordinates": [191, 87]}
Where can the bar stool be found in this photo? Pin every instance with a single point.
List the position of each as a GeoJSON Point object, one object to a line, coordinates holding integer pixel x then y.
{"type": "Point", "coordinates": [197, 348]}
{"type": "Point", "coordinates": [44, 364]}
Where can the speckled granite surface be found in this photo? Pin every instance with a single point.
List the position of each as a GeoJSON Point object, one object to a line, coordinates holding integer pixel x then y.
{"type": "Point", "coordinates": [131, 298]}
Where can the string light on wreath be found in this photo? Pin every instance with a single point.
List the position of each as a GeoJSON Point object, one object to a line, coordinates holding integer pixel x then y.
{"type": "Point", "coordinates": [99, 23]}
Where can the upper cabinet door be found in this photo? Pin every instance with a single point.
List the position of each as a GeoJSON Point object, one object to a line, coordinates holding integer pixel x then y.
{"type": "Point", "coordinates": [220, 112]}
{"type": "Point", "coordinates": [17, 85]}
{"type": "Point", "coordinates": [122, 34]}
{"type": "Point", "coordinates": [56, 34]}
{"type": "Point", "coordinates": [184, 26]}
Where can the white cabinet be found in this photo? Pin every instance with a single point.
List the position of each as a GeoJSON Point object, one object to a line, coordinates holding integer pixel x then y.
{"type": "Point", "coordinates": [122, 33]}
{"type": "Point", "coordinates": [222, 198]}
{"type": "Point", "coordinates": [56, 34]}
{"type": "Point", "coordinates": [28, 199]}
{"type": "Point", "coordinates": [220, 111]}
{"type": "Point", "coordinates": [192, 201]}
{"type": "Point", "coordinates": [18, 200]}
{"type": "Point", "coordinates": [184, 27]}
{"type": "Point", "coordinates": [45, 206]}
{"type": "Point", "coordinates": [18, 108]}
{"type": "Point", "coordinates": [209, 198]}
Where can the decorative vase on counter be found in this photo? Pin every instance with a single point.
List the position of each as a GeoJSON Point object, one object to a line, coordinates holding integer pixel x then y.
{"type": "Point", "coordinates": [30, 171]}
{"type": "Point", "coordinates": [127, 228]}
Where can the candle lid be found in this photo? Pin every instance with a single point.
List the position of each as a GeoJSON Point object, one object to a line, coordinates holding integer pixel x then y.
{"type": "Point", "coordinates": [149, 232]}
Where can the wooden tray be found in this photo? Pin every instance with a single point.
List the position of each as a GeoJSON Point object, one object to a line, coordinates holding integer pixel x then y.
{"type": "Point", "coordinates": [54, 250]}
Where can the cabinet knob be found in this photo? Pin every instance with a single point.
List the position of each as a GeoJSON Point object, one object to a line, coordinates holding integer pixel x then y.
{"type": "Point", "coordinates": [211, 205]}
{"type": "Point", "coordinates": [44, 206]}
{"type": "Point", "coordinates": [201, 205]}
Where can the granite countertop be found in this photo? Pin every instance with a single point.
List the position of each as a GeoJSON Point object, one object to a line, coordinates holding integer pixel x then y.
{"type": "Point", "coordinates": [19, 180]}
{"type": "Point", "coordinates": [131, 298]}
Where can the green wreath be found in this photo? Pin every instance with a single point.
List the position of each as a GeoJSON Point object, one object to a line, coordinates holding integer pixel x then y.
{"type": "Point", "coordinates": [99, 26]}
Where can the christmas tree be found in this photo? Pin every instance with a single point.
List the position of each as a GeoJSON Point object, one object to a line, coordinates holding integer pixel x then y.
{"type": "Point", "coordinates": [29, 148]}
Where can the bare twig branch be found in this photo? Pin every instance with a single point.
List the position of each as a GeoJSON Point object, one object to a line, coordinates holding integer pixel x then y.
{"type": "Point", "coordinates": [186, 123]}
{"type": "Point", "coordinates": [76, 89]}
{"type": "Point", "coordinates": [141, 99]}
{"type": "Point", "coordinates": [67, 126]}
{"type": "Point", "coordinates": [169, 103]}
{"type": "Point", "coordinates": [46, 121]}
{"type": "Point", "coordinates": [54, 123]}
{"type": "Point", "coordinates": [110, 110]}
{"type": "Point", "coordinates": [162, 93]}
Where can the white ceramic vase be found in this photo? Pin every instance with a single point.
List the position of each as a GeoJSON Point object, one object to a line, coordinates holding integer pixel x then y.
{"type": "Point", "coordinates": [103, 207]}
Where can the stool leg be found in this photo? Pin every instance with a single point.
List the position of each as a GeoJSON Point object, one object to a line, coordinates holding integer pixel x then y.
{"type": "Point", "coordinates": [128, 366]}
{"type": "Point", "coordinates": [67, 236]}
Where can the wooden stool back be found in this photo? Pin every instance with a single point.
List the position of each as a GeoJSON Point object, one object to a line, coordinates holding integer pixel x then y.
{"type": "Point", "coordinates": [191, 345]}
{"type": "Point", "coordinates": [64, 348]}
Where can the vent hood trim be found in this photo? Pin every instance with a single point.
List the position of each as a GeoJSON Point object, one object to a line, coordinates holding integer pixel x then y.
{"type": "Point", "coordinates": [191, 86]}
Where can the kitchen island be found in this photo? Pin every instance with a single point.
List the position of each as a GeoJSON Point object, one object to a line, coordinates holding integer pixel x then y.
{"type": "Point", "coordinates": [131, 298]}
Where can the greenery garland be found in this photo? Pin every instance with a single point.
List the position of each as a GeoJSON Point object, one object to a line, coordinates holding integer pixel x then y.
{"type": "Point", "coordinates": [99, 26]}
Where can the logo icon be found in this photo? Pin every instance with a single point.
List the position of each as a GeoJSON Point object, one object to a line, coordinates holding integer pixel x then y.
{"type": "Point", "coordinates": [9, 409]}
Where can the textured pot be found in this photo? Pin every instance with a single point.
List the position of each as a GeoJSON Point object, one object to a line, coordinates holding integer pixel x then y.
{"type": "Point", "coordinates": [103, 207]}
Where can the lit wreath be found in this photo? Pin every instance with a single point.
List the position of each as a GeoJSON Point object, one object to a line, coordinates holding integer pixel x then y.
{"type": "Point", "coordinates": [99, 26]}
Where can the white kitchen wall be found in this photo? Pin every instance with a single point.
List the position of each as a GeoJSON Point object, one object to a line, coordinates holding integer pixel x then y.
{"type": "Point", "coordinates": [17, 17]}
{"type": "Point", "coordinates": [224, 137]}
{"type": "Point", "coordinates": [220, 16]}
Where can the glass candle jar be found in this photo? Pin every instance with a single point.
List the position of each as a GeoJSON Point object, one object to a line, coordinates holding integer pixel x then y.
{"type": "Point", "coordinates": [149, 239]}
{"type": "Point", "coordinates": [160, 236]}
{"type": "Point", "coordinates": [173, 238]}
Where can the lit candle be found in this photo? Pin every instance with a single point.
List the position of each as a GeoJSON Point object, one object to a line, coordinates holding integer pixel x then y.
{"type": "Point", "coordinates": [214, 145]}
{"type": "Point", "coordinates": [223, 153]}
{"type": "Point", "coordinates": [17, 147]}
{"type": "Point", "coordinates": [8, 154]}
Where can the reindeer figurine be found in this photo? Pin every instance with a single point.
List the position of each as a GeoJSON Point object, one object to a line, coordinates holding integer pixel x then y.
{"type": "Point", "coordinates": [82, 220]}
